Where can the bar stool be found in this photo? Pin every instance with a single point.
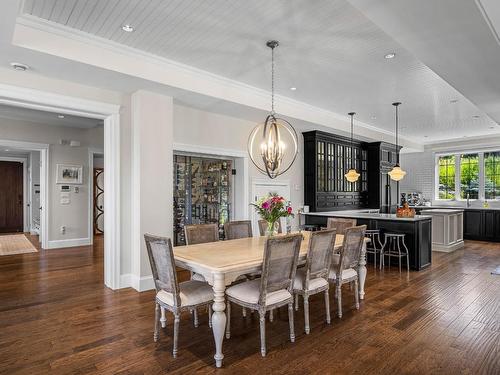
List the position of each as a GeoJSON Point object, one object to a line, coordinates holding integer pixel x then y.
{"type": "Point", "coordinates": [392, 248]}
{"type": "Point", "coordinates": [375, 246]}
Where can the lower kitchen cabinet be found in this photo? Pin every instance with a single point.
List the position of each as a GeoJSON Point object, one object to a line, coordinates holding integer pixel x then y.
{"type": "Point", "coordinates": [482, 225]}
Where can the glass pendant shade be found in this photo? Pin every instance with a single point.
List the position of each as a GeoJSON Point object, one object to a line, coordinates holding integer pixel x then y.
{"type": "Point", "coordinates": [352, 175]}
{"type": "Point", "coordinates": [273, 146]}
{"type": "Point", "coordinates": [397, 174]}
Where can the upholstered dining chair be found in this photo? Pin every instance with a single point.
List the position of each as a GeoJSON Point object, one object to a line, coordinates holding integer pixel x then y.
{"type": "Point", "coordinates": [171, 295]}
{"type": "Point", "coordinates": [313, 278]}
{"type": "Point", "coordinates": [340, 225]}
{"type": "Point", "coordinates": [238, 229]}
{"type": "Point", "coordinates": [274, 289]}
{"type": "Point", "coordinates": [346, 271]}
{"type": "Point", "coordinates": [263, 227]}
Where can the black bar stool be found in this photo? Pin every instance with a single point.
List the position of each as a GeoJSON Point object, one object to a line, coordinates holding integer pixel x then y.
{"type": "Point", "coordinates": [392, 248]}
{"type": "Point", "coordinates": [375, 246]}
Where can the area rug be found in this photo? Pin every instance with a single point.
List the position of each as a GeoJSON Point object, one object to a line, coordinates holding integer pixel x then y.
{"type": "Point", "coordinates": [11, 244]}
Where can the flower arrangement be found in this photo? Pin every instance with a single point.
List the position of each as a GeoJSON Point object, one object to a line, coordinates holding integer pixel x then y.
{"type": "Point", "coordinates": [271, 209]}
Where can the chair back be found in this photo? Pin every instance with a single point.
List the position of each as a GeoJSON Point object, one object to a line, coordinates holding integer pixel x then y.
{"type": "Point", "coordinates": [161, 259]}
{"type": "Point", "coordinates": [281, 254]}
{"type": "Point", "coordinates": [319, 254]}
{"type": "Point", "coordinates": [340, 224]}
{"type": "Point", "coordinates": [263, 227]}
{"type": "Point", "coordinates": [238, 229]}
{"type": "Point", "coordinates": [201, 233]}
{"type": "Point", "coordinates": [351, 247]}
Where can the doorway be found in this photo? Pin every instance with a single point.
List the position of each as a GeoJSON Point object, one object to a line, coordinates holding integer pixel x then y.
{"type": "Point", "coordinates": [11, 196]}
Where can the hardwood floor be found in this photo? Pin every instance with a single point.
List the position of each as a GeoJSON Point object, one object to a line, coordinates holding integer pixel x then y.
{"type": "Point", "coordinates": [57, 317]}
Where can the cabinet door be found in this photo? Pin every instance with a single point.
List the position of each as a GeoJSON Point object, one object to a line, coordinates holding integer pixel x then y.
{"type": "Point", "coordinates": [490, 225]}
{"type": "Point", "coordinates": [473, 224]}
{"type": "Point", "coordinates": [320, 165]}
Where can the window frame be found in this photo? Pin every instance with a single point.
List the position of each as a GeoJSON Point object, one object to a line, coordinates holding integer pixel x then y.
{"type": "Point", "coordinates": [458, 184]}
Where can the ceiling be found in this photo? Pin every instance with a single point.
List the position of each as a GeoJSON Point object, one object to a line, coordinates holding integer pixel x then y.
{"type": "Point", "coordinates": [332, 51]}
{"type": "Point", "coordinates": [46, 118]}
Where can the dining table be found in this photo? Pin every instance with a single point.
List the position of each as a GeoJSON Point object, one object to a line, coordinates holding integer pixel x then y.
{"type": "Point", "coordinates": [222, 262]}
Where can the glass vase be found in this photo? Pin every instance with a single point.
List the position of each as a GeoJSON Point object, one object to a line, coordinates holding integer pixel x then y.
{"type": "Point", "coordinates": [272, 228]}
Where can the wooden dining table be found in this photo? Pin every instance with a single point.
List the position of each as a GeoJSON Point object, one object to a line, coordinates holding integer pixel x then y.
{"type": "Point", "coordinates": [222, 262]}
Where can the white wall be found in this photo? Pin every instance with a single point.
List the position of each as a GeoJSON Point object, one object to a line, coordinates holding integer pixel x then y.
{"type": "Point", "coordinates": [75, 215]}
{"type": "Point", "coordinates": [35, 180]}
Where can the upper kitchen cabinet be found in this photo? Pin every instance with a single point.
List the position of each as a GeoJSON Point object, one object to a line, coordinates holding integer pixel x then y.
{"type": "Point", "coordinates": [327, 157]}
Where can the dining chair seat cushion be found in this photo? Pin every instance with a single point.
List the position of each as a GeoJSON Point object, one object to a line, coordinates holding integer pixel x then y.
{"type": "Point", "coordinates": [346, 274]}
{"type": "Point", "coordinates": [197, 277]}
{"type": "Point", "coordinates": [249, 292]}
{"type": "Point", "coordinates": [192, 292]}
{"type": "Point", "coordinates": [300, 277]}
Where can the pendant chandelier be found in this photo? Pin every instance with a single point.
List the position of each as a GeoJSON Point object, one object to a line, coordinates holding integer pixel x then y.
{"type": "Point", "coordinates": [273, 145]}
{"type": "Point", "coordinates": [397, 174]}
{"type": "Point", "coordinates": [352, 175]}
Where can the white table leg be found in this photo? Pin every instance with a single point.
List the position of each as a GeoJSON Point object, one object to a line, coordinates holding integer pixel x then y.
{"type": "Point", "coordinates": [219, 316]}
{"type": "Point", "coordinates": [163, 319]}
{"type": "Point", "coordinates": [362, 272]}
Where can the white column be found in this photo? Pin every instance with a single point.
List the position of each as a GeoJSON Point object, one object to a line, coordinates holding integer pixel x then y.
{"type": "Point", "coordinates": [152, 178]}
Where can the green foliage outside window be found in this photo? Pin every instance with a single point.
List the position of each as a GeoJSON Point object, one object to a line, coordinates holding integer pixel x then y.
{"type": "Point", "coordinates": [447, 177]}
{"type": "Point", "coordinates": [469, 176]}
{"type": "Point", "coordinates": [492, 175]}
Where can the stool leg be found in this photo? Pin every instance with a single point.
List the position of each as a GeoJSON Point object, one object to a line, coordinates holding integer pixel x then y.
{"type": "Point", "coordinates": [399, 257]}
{"type": "Point", "coordinates": [407, 257]}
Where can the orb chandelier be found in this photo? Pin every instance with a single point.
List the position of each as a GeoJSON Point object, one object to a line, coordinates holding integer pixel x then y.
{"type": "Point", "coordinates": [397, 174]}
{"type": "Point", "coordinates": [273, 145]}
{"type": "Point", "coordinates": [352, 175]}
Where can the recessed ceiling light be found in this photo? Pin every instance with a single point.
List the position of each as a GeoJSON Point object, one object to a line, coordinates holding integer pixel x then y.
{"type": "Point", "coordinates": [426, 136]}
{"type": "Point", "coordinates": [6, 149]}
{"type": "Point", "coordinates": [374, 117]}
{"type": "Point", "coordinates": [293, 88]}
{"type": "Point", "coordinates": [476, 116]}
{"type": "Point", "coordinates": [127, 28]}
{"type": "Point", "coordinates": [18, 66]}
{"type": "Point", "coordinates": [60, 116]}
{"type": "Point", "coordinates": [453, 101]}
{"type": "Point", "coordinates": [390, 55]}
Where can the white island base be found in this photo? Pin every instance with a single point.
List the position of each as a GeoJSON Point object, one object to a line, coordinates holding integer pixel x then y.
{"type": "Point", "coordinates": [447, 229]}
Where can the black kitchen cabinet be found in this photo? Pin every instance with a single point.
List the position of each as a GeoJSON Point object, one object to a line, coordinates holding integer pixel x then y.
{"type": "Point", "coordinates": [327, 157]}
{"type": "Point", "coordinates": [482, 225]}
{"type": "Point", "coordinates": [384, 192]}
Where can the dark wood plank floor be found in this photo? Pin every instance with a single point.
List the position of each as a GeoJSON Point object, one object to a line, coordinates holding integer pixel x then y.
{"type": "Point", "coordinates": [57, 317]}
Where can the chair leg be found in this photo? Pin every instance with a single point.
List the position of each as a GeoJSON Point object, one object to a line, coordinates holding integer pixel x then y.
{"type": "Point", "coordinates": [407, 257]}
{"type": "Point", "coordinates": [296, 302]}
{"type": "Point", "coordinates": [195, 317]}
{"type": "Point", "coordinates": [291, 322]}
{"type": "Point", "coordinates": [176, 333]}
{"type": "Point", "coordinates": [262, 319]}
{"type": "Point", "coordinates": [210, 316]}
{"type": "Point", "coordinates": [399, 253]}
{"type": "Point", "coordinates": [157, 321]}
{"type": "Point", "coordinates": [327, 306]}
{"type": "Point", "coordinates": [271, 316]}
{"type": "Point", "coordinates": [306, 313]}
{"type": "Point", "coordinates": [163, 319]}
{"type": "Point", "coordinates": [228, 316]}
{"type": "Point", "coordinates": [339, 299]}
{"type": "Point", "coordinates": [244, 312]}
{"type": "Point", "coordinates": [356, 293]}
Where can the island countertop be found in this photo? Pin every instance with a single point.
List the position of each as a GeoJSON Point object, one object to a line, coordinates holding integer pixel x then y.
{"type": "Point", "coordinates": [366, 214]}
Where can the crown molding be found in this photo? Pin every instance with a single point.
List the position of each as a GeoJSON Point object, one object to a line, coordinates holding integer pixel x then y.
{"type": "Point", "coordinates": [38, 34]}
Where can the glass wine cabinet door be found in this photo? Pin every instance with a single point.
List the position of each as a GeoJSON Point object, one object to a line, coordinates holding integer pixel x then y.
{"type": "Point", "coordinates": [202, 193]}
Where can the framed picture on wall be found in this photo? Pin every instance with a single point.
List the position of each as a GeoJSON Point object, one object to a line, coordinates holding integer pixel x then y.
{"type": "Point", "coordinates": [69, 174]}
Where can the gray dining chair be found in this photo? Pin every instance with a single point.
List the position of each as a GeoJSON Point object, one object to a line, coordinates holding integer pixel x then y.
{"type": "Point", "coordinates": [201, 233]}
{"type": "Point", "coordinates": [340, 225]}
{"type": "Point", "coordinates": [171, 295]}
{"type": "Point", "coordinates": [274, 289]}
{"type": "Point", "coordinates": [238, 229]}
{"type": "Point", "coordinates": [263, 227]}
{"type": "Point", "coordinates": [346, 271]}
{"type": "Point", "coordinates": [313, 278]}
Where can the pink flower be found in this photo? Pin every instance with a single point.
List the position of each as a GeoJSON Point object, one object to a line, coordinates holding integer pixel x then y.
{"type": "Point", "coordinates": [289, 210]}
{"type": "Point", "coordinates": [265, 205]}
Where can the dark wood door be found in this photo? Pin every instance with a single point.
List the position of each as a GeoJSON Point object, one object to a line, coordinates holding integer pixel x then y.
{"type": "Point", "coordinates": [11, 196]}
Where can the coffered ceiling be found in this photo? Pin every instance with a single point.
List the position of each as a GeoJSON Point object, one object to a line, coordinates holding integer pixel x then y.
{"type": "Point", "coordinates": [331, 52]}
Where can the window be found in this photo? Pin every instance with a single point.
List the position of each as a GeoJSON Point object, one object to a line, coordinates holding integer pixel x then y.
{"type": "Point", "coordinates": [469, 176]}
{"type": "Point", "coordinates": [447, 177]}
{"type": "Point", "coordinates": [492, 175]}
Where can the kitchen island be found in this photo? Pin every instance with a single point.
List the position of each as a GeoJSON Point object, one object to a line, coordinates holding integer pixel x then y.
{"type": "Point", "coordinates": [417, 230]}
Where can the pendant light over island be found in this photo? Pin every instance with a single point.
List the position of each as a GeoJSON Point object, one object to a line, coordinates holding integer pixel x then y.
{"type": "Point", "coordinates": [352, 175]}
{"type": "Point", "coordinates": [397, 174]}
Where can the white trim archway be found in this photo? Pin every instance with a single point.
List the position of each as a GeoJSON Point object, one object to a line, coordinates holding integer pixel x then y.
{"type": "Point", "coordinates": [46, 101]}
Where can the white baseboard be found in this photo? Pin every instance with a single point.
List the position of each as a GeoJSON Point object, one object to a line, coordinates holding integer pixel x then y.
{"type": "Point", "coordinates": [140, 284]}
{"type": "Point", "coordinates": [447, 248]}
{"type": "Point", "coordinates": [58, 244]}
